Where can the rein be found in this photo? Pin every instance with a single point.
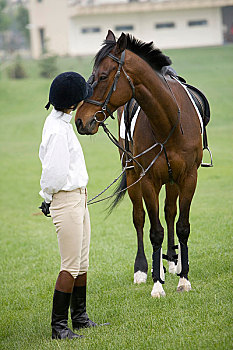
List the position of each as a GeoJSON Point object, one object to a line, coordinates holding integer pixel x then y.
{"type": "Point", "coordinates": [113, 139]}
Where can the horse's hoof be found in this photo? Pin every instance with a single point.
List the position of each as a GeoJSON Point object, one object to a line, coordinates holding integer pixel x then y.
{"type": "Point", "coordinates": [184, 285]}
{"type": "Point", "coordinates": [158, 290]}
{"type": "Point", "coordinates": [171, 267]}
{"type": "Point", "coordinates": [140, 277]}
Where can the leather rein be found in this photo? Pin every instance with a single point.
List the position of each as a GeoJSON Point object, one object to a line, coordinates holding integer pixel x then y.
{"type": "Point", "coordinates": [104, 109]}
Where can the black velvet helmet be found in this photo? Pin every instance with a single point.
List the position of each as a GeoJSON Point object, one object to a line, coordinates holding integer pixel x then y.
{"type": "Point", "coordinates": [68, 89]}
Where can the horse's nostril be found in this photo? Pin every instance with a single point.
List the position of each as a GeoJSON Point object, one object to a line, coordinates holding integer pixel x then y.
{"type": "Point", "coordinates": [92, 122]}
{"type": "Point", "coordinates": [79, 123]}
{"type": "Point", "coordinates": [87, 129]}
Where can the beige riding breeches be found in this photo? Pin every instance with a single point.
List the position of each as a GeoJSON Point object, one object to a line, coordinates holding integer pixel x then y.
{"type": "Point", "coordinates": [71, 217]}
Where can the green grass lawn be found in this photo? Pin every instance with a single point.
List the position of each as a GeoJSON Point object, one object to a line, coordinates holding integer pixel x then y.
{"type": "Point", "coordinates": [201, 319]}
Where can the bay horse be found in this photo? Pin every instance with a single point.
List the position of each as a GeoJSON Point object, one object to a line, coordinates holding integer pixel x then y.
{"type": "Point", "coordinates": [129, 68]}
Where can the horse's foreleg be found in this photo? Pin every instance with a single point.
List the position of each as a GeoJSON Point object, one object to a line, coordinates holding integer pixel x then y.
{"type": "Point", "coordinates": [170, 210]}
{"type": "Point", "coordinates": [150, 195]}
{"type": "Point", "coordinates": [187, 189]}
{"type": "Point", "coordinates": [135, 194]}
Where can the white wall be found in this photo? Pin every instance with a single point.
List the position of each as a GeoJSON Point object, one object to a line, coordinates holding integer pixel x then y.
{"type": "Point", "coordinates": [185, 36]}
{"type": "Point", "coordinates": [54, 21]}
{"type": "Point", "coordinates": [144, 28]}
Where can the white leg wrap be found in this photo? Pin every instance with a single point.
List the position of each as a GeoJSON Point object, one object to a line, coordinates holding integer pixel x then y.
{"type": "Point", "coordinates": [140, 277]}
{"type": "Point", "coordinates": [172, 268]}
{"type": "Point", "coordinates": [162, 274]}
{"type": "Point", "coordinates": [157, 264]}
{"type": "Point", "coordinates": [183, 262]}
{"type": "Point", "coordinates": [158, 290]}
{"type": "Point", "coordinates": [179, 264]}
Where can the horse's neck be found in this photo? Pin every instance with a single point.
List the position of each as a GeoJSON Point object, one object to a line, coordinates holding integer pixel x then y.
{"type": "Point", "coordinates": [154, 97]}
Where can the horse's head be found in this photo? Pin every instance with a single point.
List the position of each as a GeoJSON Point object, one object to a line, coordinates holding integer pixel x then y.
{"type": "Point", "coordinates": [112, 86]}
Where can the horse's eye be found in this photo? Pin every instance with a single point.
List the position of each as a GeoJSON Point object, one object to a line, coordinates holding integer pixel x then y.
{"type": "Point", "coordinates": [102, 77]}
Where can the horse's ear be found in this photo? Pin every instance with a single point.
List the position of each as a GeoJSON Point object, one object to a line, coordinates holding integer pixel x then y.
{"type": "Point", "coordinates": [110, 36]}
{"type": "Point", "coordinates": [121, 43]}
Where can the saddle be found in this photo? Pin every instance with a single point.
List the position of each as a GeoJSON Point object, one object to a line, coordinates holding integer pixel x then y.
{"type": "Point", "coordinates": [203, 106]}
{"type": "Point", "coordinates": [201, 103]}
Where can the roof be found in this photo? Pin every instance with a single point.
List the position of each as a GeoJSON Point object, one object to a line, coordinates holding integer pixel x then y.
{"type": "Point", "coordinates": [145, 6]}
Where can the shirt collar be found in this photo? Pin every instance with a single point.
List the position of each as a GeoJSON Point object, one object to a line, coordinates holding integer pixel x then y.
{"type": "Point", "coordinates": [66, 117]}
{"type": "Point", "coordinates": [63, 116]}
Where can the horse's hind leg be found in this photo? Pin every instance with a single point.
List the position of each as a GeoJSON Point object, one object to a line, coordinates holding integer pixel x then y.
{"type": "Point", "coordinates": [187, 189]}
{"type": "Point", "coordinates": [135, 194]}
{"type": "Point", "coordinates": [170, 210]}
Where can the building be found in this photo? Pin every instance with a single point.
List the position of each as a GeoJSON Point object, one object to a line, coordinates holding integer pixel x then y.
{"type": "Point", "coordinates": [78, 27]}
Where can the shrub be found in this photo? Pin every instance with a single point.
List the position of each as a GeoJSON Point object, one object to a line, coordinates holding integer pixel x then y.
{"type": "Point", "coordinates": [48, 66]}
{"type": "Point", "coordinates": [17, 71]}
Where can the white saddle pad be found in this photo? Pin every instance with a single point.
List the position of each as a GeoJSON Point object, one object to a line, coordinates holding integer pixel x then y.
{"type": "Point", "coordinates": [133, 122]}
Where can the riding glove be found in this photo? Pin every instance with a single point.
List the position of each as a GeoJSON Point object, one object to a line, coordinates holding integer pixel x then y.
{"type": "Point", "coordinates": [45, 208]}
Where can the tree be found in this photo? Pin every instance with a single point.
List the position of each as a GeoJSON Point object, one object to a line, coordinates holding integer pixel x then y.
{"type": "Point", "coordinates": [4, 18]}
{"type": "Point", "coordinates": [22, 19]}
{"type": "Point", "coordinates": [14, 34]}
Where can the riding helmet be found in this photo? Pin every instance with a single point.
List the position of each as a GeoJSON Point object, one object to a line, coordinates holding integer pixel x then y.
{"type": "Point", "coordinates": [68, 89]}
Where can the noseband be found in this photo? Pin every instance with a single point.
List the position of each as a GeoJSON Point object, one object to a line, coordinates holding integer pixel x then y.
{"type": "Point", "coordinates": [104, 105]}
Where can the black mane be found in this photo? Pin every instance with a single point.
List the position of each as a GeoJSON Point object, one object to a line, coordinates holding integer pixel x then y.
{"type": "Point", "coordinates": [107, 47]}
{"type": "Point", "coordinates": [147, 51]}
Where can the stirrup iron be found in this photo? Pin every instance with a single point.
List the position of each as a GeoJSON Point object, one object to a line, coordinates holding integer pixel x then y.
{"type": "Point", "coordinates": [208, 165]}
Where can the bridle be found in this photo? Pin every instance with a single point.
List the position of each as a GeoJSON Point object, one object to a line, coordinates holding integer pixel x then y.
{"type": "Point", "coordinates": [104, 105]}
{"type": "Point", "coordinates": [104, 109]}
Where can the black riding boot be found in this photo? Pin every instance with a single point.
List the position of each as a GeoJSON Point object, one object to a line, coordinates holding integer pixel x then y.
{"type": "Point", "coordinates": [60, 330]}
{"type": "Point", "coordinates": [79, 316]}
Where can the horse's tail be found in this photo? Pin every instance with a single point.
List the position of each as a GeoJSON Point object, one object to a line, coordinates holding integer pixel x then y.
{"type": "Point", "coordinates": [120, 192]}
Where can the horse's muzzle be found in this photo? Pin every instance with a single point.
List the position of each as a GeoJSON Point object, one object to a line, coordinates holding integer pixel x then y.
{"type": "Point", "coordinates": [89, 129]}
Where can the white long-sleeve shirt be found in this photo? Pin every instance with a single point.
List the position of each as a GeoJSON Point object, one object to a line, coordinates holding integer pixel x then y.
{"type": "Point", "coordinates": [61, 155]}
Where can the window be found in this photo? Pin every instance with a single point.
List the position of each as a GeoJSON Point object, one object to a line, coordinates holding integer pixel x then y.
{"type": "Point", "coordinates": [165, 25]}
{"type": "Point", "coordinates": [122, 28]}
{"type": "Point", "coordinates": [200, 22]}
{"type": "Point", "coordinates": [89, 30]}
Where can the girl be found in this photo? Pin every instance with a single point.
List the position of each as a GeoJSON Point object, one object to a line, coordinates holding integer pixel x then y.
{"type": "Point", "coordinates": [63, 187]}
